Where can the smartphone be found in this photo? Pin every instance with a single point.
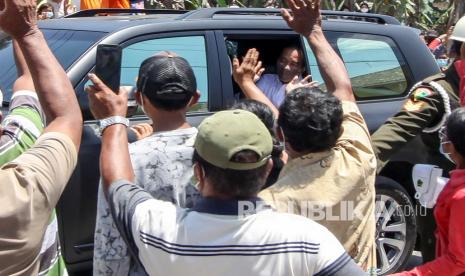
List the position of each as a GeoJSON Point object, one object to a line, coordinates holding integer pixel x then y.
{"type": "Point", "coordinates": [108, 65]}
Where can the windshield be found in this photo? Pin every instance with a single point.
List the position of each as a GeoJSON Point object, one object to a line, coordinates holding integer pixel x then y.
{"type": "Point", "coordinates": [67, 45]}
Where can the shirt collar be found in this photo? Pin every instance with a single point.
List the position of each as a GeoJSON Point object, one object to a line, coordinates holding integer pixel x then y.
{"type": "Point", "coordinates": [309, 159]}
{"type": "Point", "coordinates": [230, 207]}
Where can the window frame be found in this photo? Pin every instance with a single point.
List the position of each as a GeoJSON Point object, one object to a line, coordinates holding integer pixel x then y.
{"type": "Point", "coordinates": [255, 34]}
{"type": "Point", "coordinates": [215, 98]}
{"type": "Point", "coordinates": [333, 36]}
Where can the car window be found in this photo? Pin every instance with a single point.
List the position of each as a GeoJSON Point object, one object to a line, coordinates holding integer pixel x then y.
{"type": "Point", "coordinates": [375, 65]}
{"type": "Point", "coordinates": [192, 48]}
{"type": "Point", "coordinates": [66, 45]}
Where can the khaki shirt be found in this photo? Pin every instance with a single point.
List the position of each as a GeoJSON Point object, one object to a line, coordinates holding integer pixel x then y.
{"type": "Point", "coordinates": [335, 188]}
{"type": "Point", "coordinates": [30, 187]}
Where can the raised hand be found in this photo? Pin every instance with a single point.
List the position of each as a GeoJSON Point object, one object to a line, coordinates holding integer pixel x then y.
{"type": "Point", "coordinates": [305, 16]}
{"type": "Point", "coordinates": [250, 69]}
{"type": "Point", "coordinates": [304, 83]}
{"type": "Point", "coordinates": [142, 130]}
{"type": "Point", "coordinates": [18, 18]}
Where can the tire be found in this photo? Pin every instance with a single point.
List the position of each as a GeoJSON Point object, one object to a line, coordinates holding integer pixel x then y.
{"type": "Point", "coordinates": [396, 228]}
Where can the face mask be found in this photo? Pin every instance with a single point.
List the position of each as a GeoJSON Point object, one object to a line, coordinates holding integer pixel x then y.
{"type": "Point", "coordinates": [48, 15]}
{"type": "Point", "coordinates": [365, 10]}
{"type": "Point", "coordinates": [446, 154]}
{"type": "Point", "coordinates": [142, 103]}
{"type": "Point", "coordinates": [442, 62]}
{"type": "Point", "coordinates": [444, 140]}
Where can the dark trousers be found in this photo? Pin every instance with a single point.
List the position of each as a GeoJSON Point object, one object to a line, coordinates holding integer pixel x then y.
{"type": "Point", "coordinates": [426, 226]}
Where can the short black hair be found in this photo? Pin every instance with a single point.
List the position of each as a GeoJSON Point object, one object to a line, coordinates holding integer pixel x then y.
{"type": "Point", "coordinates": [169, 105]}
{"type": "Point", "coordinates": [44, 6]}
{"type": "Point", "coordinates": [311, 119]}
{"type": "Point", "coordinates": [239, 184]}
{"type": "Point", "coordinates": [456, 48]}
{"type": "Point", "coordinates": [261, 110]}
{"type": "Point", "coordinates": [455, 128]}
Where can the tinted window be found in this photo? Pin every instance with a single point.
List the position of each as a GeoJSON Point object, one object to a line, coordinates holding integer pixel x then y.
{"type": "Point", "coordinates": [65, 44]}
{"type": "Point", "coordinates": [375, 66]}
{"type": "Point", "coordinates": [192, 48]}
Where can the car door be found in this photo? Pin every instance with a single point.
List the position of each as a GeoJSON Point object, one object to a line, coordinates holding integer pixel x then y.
{"type": "Point", "coordinates": [77, 207]}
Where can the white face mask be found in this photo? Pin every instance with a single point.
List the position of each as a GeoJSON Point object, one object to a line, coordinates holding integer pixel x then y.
{"type": "Point", "coordinates": [142, 103]}
{"type": "Point", "coordinates": [444, 140]}
{"type": "Point", "coordinates": [365, 10]}
{"type": "Point", "coordinates": [48, 14]}
{"type": "Point", "coordinates": [446, 154]}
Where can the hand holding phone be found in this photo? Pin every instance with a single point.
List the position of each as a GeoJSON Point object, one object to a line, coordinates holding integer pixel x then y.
{"type": "Point", "coordinates": [108, 65]}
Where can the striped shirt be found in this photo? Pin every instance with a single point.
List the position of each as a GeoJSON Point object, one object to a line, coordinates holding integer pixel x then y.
{"type": "Point", "coordinates": [214, 238]}
{"type": "Point", "coordinates": [22, 126]}
{"type": "Point", "coordinates": [20, 130]}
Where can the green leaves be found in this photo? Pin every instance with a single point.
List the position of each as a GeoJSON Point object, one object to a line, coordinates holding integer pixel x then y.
{"type": "Point", "coordinates": [423, 14]}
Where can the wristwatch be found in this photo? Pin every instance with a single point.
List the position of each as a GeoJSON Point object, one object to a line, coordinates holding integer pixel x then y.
{"type": "Point", "coordinates": [104, 123]}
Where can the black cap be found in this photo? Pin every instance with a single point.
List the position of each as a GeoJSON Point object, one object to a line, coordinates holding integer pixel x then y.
{"type": "Point", "coordinates": [166, 77]}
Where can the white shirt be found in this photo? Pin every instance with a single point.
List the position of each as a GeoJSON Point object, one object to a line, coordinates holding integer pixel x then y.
{"type": "Point", "coordinates": [273, 88]}
{"type": "Point", "coordinates": [212, 239]}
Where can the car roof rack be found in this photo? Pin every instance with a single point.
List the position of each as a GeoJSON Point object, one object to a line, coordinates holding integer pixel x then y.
{"type": "Point", "coordinates": [326, 14]}
{"type": "Point", "coordinates": [105, 12]}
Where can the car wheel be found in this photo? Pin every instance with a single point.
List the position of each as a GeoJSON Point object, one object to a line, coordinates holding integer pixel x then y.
{"type": "Point", "coordinates": [395, 226]}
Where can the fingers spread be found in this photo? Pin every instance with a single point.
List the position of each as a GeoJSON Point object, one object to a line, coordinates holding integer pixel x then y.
{"type": "Point", "coordinates": [314, 84]}
{"type": "Point", "coordinates": [295, 80]}
{"type": "Point", "coordinates": [306, 79]}
{"type": "Point", "coordinates": [258, 67]}
{"type": "Point", "coordinates": [235, 63]}
{"type": "Point", "coordinates": [292, 5]}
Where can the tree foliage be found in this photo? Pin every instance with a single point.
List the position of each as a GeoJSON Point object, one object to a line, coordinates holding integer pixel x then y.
{"type": "Point", "coordinates": [424, 14]}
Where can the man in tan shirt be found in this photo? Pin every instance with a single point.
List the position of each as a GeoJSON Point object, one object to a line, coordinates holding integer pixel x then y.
{"type": "Point", "coordinates": [331, 173]}
{"type": "Point", "coordinates": [31, 184]}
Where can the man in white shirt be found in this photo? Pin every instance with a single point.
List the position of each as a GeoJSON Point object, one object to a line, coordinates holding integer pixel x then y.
{"type": "Point", "coordinates": [290, 67]}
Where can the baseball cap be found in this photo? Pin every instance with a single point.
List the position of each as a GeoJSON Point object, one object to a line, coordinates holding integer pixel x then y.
{"type": "Point", "coordinates": [166, 77]}
{"type": "Point", "coordinates": [226, 133]}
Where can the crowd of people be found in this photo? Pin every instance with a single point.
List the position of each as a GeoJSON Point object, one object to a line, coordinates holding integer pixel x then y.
{"type": "Point", "coordinates": [248, 191]}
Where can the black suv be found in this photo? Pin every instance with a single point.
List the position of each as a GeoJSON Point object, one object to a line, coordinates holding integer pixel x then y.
{"type": "Point", "coordinates": [383, 58]}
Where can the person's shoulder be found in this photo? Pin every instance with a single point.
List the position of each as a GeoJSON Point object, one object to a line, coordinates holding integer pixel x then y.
{"type": "Point", "coordinates": [268, 78]}
{"type": "Point", "coordinates": [459, 195]}
{"type": "Point", "coordinates": [294, 224]}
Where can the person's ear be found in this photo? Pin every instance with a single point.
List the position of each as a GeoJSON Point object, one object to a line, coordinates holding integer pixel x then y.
{"type": "Point", "coordinates": [195, 99]}
{"type": "Point", "coordinates": [200, 175]}
{"type": "Point", "coordinates": [269, 166]}
{"type": "Point", "coordinates": [279, 133]}
{"type": "Point", "coordinates": [138, 96]}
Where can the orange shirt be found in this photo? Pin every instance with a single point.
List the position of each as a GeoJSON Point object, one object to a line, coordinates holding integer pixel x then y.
{"type": "Point", "coordinates": [91, 4]}
{"type": "Point", "coordinates": [104, 4]}
{"type": "Point", "coordinates": [118, 4]}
